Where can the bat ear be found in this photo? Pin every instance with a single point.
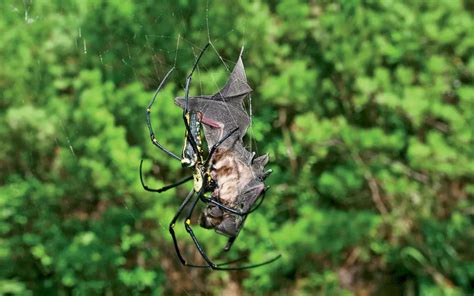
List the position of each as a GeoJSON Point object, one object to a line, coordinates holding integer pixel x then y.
{"type": "Point", "coordinates": [260, 161]}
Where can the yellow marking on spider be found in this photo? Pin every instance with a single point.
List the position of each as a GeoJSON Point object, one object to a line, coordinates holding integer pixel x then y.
{"type": "Point", "coordinates": [172, 225]}
{"type": "Point", "coordinates": [148, 110]}
{"type": "Point", "coordinates": [154, 140]}
{"type": "Point", "coordinates": [197, 180]}
{"type": "Point", "coordinates": [188, 221]}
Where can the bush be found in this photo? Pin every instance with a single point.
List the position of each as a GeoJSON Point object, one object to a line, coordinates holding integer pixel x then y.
{"type": "Point", "coordinates": [366, 109]}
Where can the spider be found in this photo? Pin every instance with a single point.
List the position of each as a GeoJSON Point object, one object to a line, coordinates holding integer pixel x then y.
{"type": "Point", "coordinates": [204, 183]}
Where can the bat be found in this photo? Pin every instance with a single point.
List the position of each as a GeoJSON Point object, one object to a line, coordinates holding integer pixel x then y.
{"type": "Point", "coordinates": [238, 173]}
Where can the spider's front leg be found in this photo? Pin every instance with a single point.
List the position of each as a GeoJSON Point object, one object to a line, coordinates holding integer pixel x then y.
{"type": "Point", "coordinates": [191, 121]}
{"type": "Point", "coordinates": [148, 119]}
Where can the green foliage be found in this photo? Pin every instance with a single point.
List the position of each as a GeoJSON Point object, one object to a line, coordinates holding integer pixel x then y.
{"type": "Point", "coordinates": [365, 107]}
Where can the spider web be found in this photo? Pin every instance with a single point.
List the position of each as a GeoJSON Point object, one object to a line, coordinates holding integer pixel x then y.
{"type": "Point", "coordinates": [227, 65]}
{"type": "Point", "coordinates": [182, 44]}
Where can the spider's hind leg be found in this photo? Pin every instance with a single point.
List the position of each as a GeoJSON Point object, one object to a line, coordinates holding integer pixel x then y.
{"type": "Point", "coordinates": [173, 223]}
{"type": "Point", "coordinates": [210, 264]}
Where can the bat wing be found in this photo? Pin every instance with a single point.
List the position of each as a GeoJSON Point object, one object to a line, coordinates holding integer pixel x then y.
{"type": "Point", "coordinates": [225, 108]}
{"type": "Point", "coordinates": [237, 87]}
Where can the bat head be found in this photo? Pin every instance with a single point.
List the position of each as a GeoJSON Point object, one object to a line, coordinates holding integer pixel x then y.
{"type": "Point", "coordinates": [226, 223]}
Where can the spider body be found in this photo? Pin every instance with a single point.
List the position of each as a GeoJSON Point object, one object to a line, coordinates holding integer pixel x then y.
{"type": "Point", "coordinates": [222, 175]}
{"type": "Point", "coordinates": [189, 155]}
{"type": "Point", "coordinates": [202, 178]}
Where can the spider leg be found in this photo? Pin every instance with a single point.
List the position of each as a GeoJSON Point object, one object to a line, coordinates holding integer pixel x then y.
{"type": "Point", "coordinates": [163, 189]}
{"type": "Point", "coordinates": [186, 97]}
{"type": "Point", "coordinates": [212, 265]}
{"type": "Point", "coordinates": [229, 209]}
{"type": "Point", "coordinates": [216, 145]}
{"type": "Point", "coordinates": [173, 222]}
{"type": "Point", "coordinates": [148, 120]}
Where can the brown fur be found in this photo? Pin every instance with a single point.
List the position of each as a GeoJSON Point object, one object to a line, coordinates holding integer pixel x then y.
{"type": "Point", "coordinates": [230, 174]}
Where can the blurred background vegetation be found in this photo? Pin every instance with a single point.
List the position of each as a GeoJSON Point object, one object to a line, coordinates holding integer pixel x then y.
{"type": "Point", "coordinates": [365, 107]}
